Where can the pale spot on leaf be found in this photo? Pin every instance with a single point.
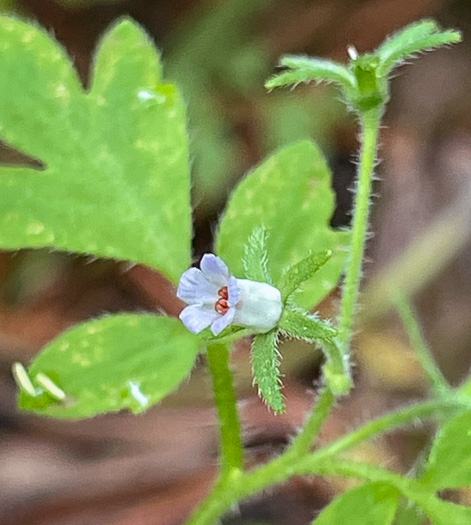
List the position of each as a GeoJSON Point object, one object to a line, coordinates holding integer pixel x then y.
{"type": "Point", "coordinates": [35, 228]}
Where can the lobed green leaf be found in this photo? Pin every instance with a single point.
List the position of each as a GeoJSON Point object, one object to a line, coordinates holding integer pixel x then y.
{"type": "Point", "coordinates": [290, 193]}
{"type": "Point", "coordinates": [370, 504]}
{"type": "Point", "coordinates": [125, 361]}
{"type": "Point", "coordinates": [115, 181]}
{"type": "Point", "coordinates": [265, 362]}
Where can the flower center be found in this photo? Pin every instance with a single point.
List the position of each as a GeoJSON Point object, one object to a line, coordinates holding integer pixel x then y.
{"type": "Point", "coordinates": [222, 306]}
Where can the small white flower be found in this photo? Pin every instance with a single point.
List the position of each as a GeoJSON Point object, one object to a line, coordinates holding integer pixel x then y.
{"type": "Point", "coordinates": [218, 299]}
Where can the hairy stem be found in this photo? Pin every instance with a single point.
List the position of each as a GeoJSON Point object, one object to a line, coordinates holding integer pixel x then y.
{"type": "Point", "coordinates": [287, 465]}
{"type": "Point", "coordinates": [303, 441]}
{"type": "Point", "coordinates": [229, 424]}
{"type": "Point", "coordinates": [356, 469]}
{"type": "Point", "coordinates": [410, 488]}
{"type": "Point", "coordinates": [283, 467]}
{"type": "Point", "coordinates": [389, 421]}
{"type": "Point", "coordinates": [225, 493]}
{"type": "Point", "coordinates": [370, 121]}
{"type": "Point", "coordinates": [230, 441]}
{"type": "Point", "coordinates": [422, 352]}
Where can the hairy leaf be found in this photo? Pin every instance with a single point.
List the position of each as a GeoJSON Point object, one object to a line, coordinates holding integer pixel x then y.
{"type": "Point", "coordinates": [122, 361]}
{"type": "Point", "coordinates": [407, 36]}
{"type": "Point", "coordinates": [305, 69]}
{"type": "Point", "coordinates": [296, 323]}
{"type": "Point", "coordinates": [290, 193]}
{"type": "Point", "coordinates": [115, 181]}
{"type": "Point", "coordinates": [298, 273]}
{"type": "Point", "coordinates": [370, 504]}
{"type": "Point", "coordinates": [265, 362]}
{"type": "Point", "coordinates": [307, 327]}
{"type": "Point", "coordinates": [256, 257]}
{"type": "Point", "coordinates": [414, 38]}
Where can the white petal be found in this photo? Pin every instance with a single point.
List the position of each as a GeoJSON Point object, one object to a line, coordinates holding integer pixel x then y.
{"type": "Point", "coordinates": [196, 318]}
{"type": "Point", "coordinates": [194, 288]}
{"type": "Point", "coordinates": [214, 269]}
{"type": "Point", "coordinates": [259, 307]}
{"type": "Point", "coordinates": [225, 320]}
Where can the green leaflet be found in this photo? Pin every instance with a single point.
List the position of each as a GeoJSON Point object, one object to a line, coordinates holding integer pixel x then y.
{"type": "Point", "coordinates": [122, 361]}
{"type": "Point", "coordinates": [364, 82]}
{"type": "Point", "coordinates": [414, 38]}
{"type": "Point", "coordinates": [255, 259]}
{"type": "Point", "coordinates": [370, 504]}
{"type": "Point", "coordinates": [307, 327]}
{"type": "Point", "coordinates": [295, 275]}
{"type": "Point", "coordinates": [296, 323]}
{"type": "Point", "coordinates": [116, 177]}
{"type": "Point", "coordinates": [265, 361]}
{"type": "Point", "coordinates": [449, 464]}
{"type": "Point", "coordinates": [304, 69]}
{"type": "Point", "coordinates": [290, 194]}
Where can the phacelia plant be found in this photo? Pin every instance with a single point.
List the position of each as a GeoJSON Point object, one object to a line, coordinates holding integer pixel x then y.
{"type": "Point", "coordinates": [115, 183]}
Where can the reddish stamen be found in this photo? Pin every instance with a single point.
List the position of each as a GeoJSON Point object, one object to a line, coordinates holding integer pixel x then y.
{"type": "Point", "coordinates": [224, 293]}
{"type": "Point", "coordinates": [221, 306]}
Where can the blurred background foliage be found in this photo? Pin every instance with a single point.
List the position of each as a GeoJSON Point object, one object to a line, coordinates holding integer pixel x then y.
{"type": "Point", "coordinates": [151, 470]}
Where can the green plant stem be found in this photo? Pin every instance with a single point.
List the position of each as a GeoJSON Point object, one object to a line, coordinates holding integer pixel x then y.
{"type": "Point", "coordinates": [283, 467]}
{"type": "Point", "coordinates": [222, 497]}
{"type": "Point", "coordinates": [370, 121]}
{"type": "Point", "coordinates": [225, 495]}
{"type": "Point", "coordinates": [422, 352]}
{"type": "Point", "coordinates": [356, 469]}
{"type": "Point", "coordinates": [229, 424]}
{"type": "Point", "coordinates": [389, 421]}
{"type": "Point", "coordinates": [218, 356]}
{"type": "Point", "coordinates": [408, 487]}
{"type": "Point", "coordinates": [303, 441]}
{"type": "Point", "coordinates": [336, 370]}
